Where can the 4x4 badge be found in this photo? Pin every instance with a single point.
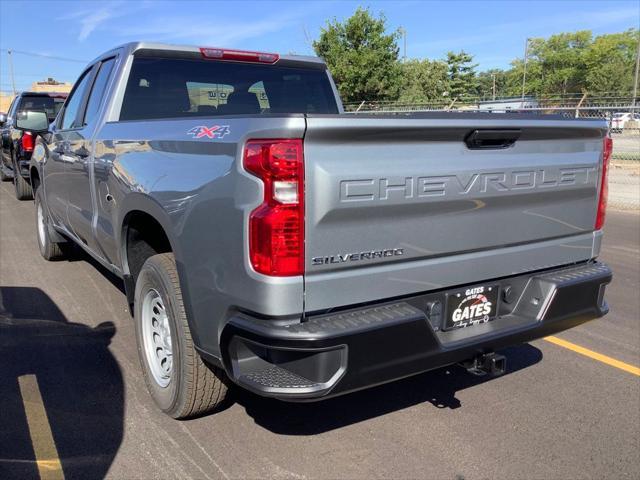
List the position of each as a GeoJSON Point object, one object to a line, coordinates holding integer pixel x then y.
{"type": "Point", "coordinates": [215, 131]}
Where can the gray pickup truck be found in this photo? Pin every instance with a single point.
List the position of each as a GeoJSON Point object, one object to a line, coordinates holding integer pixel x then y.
{"type": "Point", "coordinates": [269, 239]}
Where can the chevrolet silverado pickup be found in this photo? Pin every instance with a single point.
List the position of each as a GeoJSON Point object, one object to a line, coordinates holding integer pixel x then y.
{"type": "Point", "coordinates": [18, 136]}
{"type": "Point", "coordinates": [267, 239]}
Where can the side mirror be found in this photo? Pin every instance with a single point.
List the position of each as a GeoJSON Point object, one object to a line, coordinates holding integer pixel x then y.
{"type": "Point", "coordinates": [32, 120]}
{"type": "Point", "coordinates": [3, 119]}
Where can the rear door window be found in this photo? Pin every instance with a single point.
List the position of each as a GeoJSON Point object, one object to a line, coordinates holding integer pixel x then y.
{"type": "Point", "coordinates": [97, 91]}
{"type": "Point", "coordinates": [160, 87]}
{"type": "Point", "coordinates": [74, 102]}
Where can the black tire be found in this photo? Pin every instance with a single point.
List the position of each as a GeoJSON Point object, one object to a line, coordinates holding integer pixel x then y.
{"type": "Point", "coordinates": [48, 249]}
{"type": "Point", "coordinates": [3, 176]}
{"type": "Point", "coordinates": [194, 388]}
{"type": "Point", "coordinates": [22, 186]}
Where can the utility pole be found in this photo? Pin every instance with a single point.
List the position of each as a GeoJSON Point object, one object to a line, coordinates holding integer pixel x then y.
{"type": "Point", "coordinates": [13, 80]}
{"type": "Point", "coordinates": [524, 73]}
{"type": "Point", "coordinates": [403, 32]}
{"type": "Point", "coordinates": [635, 80]}
{"type": "Point", "coordinates": [493, 75]}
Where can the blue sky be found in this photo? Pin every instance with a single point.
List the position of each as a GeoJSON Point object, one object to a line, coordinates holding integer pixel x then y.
{"type": "Point", "coordinates": [494, 32]}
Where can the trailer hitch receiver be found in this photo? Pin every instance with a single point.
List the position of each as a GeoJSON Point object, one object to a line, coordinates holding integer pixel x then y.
{"type": "Point", "coordinates": [492, 364]}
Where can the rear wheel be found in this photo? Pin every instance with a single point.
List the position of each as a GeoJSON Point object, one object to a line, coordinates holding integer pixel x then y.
{"type": "Point", "coordinates": [48, 249]}
{"type": "Point", "coordinates": [22, 186]}
{"type": "Point", "coordinates": [181, 384]}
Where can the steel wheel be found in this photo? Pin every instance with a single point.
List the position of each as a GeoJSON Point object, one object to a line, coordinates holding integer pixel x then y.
{"type": "Point", "coordinates": [41, 225]}
{"type": "Point", "coordinates": [156, 336]}
{"type": "Point", "coordinates": [180, 382]}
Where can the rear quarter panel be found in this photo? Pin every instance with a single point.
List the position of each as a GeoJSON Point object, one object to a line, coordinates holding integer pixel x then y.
{"type": "Point", "coordinates": [196, 189]}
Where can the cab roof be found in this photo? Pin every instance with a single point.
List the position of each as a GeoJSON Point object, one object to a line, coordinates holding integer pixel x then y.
{"type": "Point", "coordinates": [166, 48]}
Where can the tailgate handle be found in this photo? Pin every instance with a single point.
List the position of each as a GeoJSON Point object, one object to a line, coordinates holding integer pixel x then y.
{"type": "Point", "coordinates": [492, 139]}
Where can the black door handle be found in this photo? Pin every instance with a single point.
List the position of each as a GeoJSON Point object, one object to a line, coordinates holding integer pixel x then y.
{"type": "Point", "coordinates": [82, 152]}
{"type": "Point", "coordinates": [61, 147]}
{"type": "Point", "coordinates": [492, 139]}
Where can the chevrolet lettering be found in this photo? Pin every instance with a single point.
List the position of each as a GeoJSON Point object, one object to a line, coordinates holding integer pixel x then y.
{"type": "Point", "coordinates": [392, 188]}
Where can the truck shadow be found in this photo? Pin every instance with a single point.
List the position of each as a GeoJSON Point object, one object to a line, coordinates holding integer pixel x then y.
{"type": "Point", "coordinates": [67, 365]}
{"type": "Point", "coordinates": [73, 253]}
{"type": "Point", "coordinates": [438, 387]}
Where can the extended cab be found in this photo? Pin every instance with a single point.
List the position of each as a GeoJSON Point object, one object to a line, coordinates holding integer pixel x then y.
{"type": "Point", "coordinates": [266, 238]}
{"type": "Point", "coordinates": [19, 130]}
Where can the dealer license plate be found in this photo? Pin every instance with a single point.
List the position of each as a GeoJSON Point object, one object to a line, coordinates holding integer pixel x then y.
{"type": "Point", "coordinates": [471, 306]}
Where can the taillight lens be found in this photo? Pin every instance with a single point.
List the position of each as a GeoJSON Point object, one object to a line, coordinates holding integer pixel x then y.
{"type": "Point", "coordinates": [27, 141]}
{"type": "Point", "coordinates": [276, 227]}
{"type": "Point", "coordinates": [607, 148]}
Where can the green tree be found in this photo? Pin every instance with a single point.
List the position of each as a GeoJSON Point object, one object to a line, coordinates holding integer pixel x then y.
{"type": "Point", "coordinates": [513, 80]}
{"type": "Point", "coordinates": [361, 56]}
{"type": "Point", "coordinates": [562, 59]}
{"type": "Point", "coordinates": [462, 75]}
{"type": "Point", "coordinates": [575, 62]}
{"type": "Point", "coordinates": [555, 65]}
{"type": "Point", "coordinates": [423, 81]}
{"type": "Point", "coordinates": [485, 82]}
{"type": "Point", "coordinates": [610, 63]}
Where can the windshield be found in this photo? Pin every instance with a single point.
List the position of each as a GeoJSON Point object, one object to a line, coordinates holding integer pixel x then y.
{"type": "Point", "coordinates": [51, 105]}
{"type": "Point", "coordinates": [172, 87]}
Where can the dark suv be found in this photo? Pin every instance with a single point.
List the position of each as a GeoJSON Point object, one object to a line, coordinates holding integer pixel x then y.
{"type": "Point", "coordinates": [18, 142]}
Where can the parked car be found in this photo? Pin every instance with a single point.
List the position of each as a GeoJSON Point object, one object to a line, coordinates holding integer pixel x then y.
{"type": "Point", "coordinates": [620, 120]}
{"type": "Point", "coordinates": [270, 240]}
{"type": "Point", "coordinates": [18, 136]}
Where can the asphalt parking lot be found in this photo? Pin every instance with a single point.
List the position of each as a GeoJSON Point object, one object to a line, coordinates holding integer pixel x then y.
{"type": "Point", "coordinates": [73, 403]}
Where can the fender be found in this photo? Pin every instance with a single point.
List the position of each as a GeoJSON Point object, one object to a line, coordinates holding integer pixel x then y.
{"type": "Point", "coordinates": [145, 203]}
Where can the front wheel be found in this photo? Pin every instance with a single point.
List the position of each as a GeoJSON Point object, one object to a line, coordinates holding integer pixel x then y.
{"type": "Point", "coordinates": [48, 249]}
{"type": "Point", "coordinates": [181, 384]}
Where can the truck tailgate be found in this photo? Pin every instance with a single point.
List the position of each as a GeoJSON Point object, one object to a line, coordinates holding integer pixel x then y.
{"type": "Point", "coordinates": [398, 205]}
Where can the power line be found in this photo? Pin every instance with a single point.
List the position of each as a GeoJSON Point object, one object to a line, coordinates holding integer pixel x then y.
{"type": "Point", "coordinates": [43, 55]}
{"type": "Point", "coordinates": [33, 75]}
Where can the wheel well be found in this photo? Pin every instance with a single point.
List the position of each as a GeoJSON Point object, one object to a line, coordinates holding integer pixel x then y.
{"type": "Point", "coordinates": [144, 237]}
{"type": "Point", "coordinates": [35, 178]}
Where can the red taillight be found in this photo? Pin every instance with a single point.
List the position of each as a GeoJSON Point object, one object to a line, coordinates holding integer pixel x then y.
{"type": "Point", "coordinates": [607, 148]}
{"type": "Point", "coordinates": [27, 141]}
{"type": "Point", "coordinates": [239, 55]}
{"type": "Point", "coordinates": [276, 227]}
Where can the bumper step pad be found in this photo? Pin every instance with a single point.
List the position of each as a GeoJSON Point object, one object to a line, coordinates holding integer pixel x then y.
{"type": "Point", "coordinates": [276, 377]}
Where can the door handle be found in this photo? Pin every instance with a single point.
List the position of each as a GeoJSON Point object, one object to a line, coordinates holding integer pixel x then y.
{"type": "Point", "coordinates": [82, 152]}
{"type": "Point", "coordinates": [62, 147]}
{"type": "Point", "coordinates": [492, 138]}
